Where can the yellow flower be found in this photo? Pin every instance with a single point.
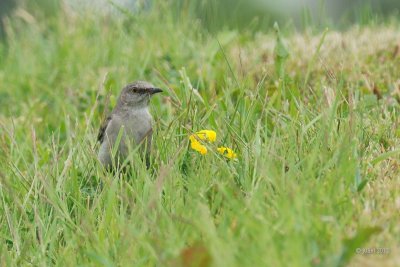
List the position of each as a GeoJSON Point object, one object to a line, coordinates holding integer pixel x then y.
{"type": "Point", "coordinates": [207, 135]}
{"type": "Point", "coordinates": [203, 135]}
{"type": "Point", "coordinates": [196, 145]}
{"type": "Point", "coordinates": [227, 152]}
{"type": "Point", "coordinates": [199, 148]}
{"type": "Point", "coordinates": [193, 138]}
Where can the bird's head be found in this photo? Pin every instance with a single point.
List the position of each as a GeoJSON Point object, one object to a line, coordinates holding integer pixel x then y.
{"type": "Point", "coordinates": [138, 94]}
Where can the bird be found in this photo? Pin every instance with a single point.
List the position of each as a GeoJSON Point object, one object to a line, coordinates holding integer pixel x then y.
{"type": "Point", "coordinates": [130, 122]}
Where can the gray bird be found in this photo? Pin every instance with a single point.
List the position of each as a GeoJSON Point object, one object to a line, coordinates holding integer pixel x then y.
{"type": "Point", "coordinates": [131, 116]}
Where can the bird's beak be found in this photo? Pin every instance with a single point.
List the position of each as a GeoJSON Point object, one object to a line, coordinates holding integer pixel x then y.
{"type": "Point", "coordinates": [155, 91]}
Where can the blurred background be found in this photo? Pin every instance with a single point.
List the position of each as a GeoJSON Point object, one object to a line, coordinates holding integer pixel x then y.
{"type": "Point", "coordinates": [217, 14]}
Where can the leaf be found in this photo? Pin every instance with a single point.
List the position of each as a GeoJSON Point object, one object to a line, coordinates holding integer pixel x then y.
{"type": "Point", "coordinates": [384, 156]}
{"type": "Point", "coordinates": [357, 178]}
{"type": "Point", "coordinates": [101, 260]}
{"type": "Point", "coordinates": [188, 85]}
{"type": "Point", "coordinates": [313, 59]}
{"type": "Point", "coordinates": [280, 52]}
{"type": "Point", "coordinates": [350, 245]}
{"type": "Point", "coordinates": [361, 185]}
{"type": "Point", "coordinates": [257, 145]}
{"type": "Point", "coordinates": [109, 82]}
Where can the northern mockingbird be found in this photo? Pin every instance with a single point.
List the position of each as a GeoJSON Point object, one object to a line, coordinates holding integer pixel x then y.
{"type": "Point", "coordinates": [131, 121]}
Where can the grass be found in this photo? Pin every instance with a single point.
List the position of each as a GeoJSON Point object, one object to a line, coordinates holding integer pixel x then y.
{"type": "Point", "coordinates": [317, 173]}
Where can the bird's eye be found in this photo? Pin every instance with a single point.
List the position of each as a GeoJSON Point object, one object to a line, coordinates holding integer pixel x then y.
{"type": "Point", "coordinates": [139, 90]}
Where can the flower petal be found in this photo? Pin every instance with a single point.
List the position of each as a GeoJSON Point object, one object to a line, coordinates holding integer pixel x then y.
{"type": "Point", "coordinates": [207, 135]}
{"type": "Point", "coordinates": [196, 145]}
{"type": "Point", "coordinates": [227, 152]}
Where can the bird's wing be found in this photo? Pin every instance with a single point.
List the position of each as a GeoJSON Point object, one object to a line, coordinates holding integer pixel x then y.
{"type": "Point", "coordinates": [103, 128]}
{"type": "Point", "coordinates": [147, 135]}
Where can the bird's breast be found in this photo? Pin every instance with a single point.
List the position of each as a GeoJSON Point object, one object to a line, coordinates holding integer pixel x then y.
{"type": "Point", "coordinates": [138, 124]}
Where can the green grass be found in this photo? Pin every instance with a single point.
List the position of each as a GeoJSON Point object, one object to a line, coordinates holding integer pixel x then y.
{"type": "Point", "coordinates": [317, 173]}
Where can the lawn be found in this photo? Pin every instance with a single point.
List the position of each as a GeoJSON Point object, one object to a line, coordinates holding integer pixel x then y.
{"type": "Point", "coordinates": [313, 117]}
